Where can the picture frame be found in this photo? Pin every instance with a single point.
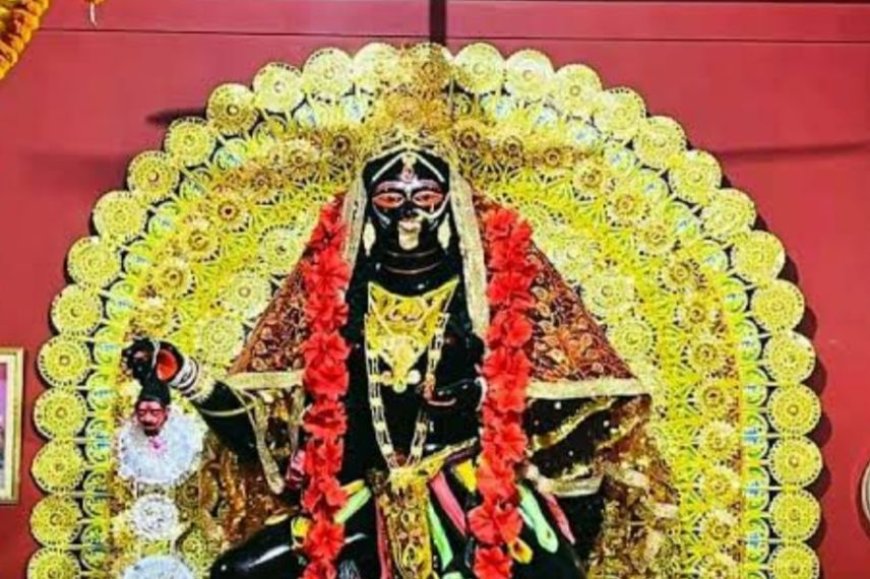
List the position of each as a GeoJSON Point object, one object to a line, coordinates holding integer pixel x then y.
{"type": "Point", "coordinates": [11, 412]}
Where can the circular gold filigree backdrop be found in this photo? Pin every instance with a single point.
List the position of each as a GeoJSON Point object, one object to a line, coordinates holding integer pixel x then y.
{"type": "Point", "coordinates": [665, 253]}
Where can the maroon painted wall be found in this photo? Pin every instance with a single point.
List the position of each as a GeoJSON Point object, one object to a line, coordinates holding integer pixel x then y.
{"type": "Point", "coordinates": [779, 92]}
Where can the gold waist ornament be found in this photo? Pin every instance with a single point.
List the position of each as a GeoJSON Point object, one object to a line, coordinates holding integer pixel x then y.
{"type": "Point", "coordinates": [403, 503]}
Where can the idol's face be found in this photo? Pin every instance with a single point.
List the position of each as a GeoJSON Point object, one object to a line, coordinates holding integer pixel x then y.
{"type": "Point", "coordinates": [151, 416]}
{"type": "Point", "coordinates": [408, 200]}
{"type": "Point", "coordinates": [409, 210]}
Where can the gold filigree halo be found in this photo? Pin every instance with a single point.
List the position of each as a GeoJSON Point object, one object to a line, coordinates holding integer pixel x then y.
{"type": "Point", "coordinates": [665, 252]}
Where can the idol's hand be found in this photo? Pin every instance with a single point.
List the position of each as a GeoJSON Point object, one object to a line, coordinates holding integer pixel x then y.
{"type": "Point", "coordinates": [463, 395]}
{"type": "Point", "coordinates": [152, 360]}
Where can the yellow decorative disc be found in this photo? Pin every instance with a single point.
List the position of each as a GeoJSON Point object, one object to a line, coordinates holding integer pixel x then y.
{"type": "Point", "coordinates": [758, 257]}
{"type": "Point", "coordinates": [529, 75]}
{"type": "Point", "coordinates": [328, 74]}
{"type": "Point", "coordinates": [278, 88]}
{"type": "Point", "coordinates": [229, 210]}
{"type": "Point", "coordinates": [620, 112]}
{"type": "Point", "coordinates": [172, 278]}
{"type": "Point", "coordinates": [633, 339]}
{"type": "Point", "coordinates": [76, 311]}
{"type": "Point", "coordinates": [695, 176]}
{"type": "Point", "coordinates": [280, 248]}
{"type": "Point", "coordinates": [789, 357]}
{"type": "Point", "coordinates": [198, 240]}
{"type": "Point", "coordinates": [717, 441]}
{"type": "Point", "coordinates": [218, 340]}
{"type": "Point", "coordinates": [63, 361]}
{"type": "Point", "coordinates": [659, 142]}
{"type": "Point", "coordinates": [795, 461]}
{"type": "Point", "coordinates": [706, 356]}
{"type": "Point", "coordinates": [58, 466]}
{"type": "Point", "coordinates": [246, 294]}
{"type": "Point", "coordinates": [729, 212]}
{"type": "Point", "coordinates": [93, 262]}
{"type": "Point", "coordinates": [55, 520]}
{"type": "Point", "coordinates": [718, 566]}
{"type": "Point", "coordinates": [153, 175]}
{"type": "Point", "coordinates": [60, 412]}
{"type": "Point", "coordinates": [479, 69]}
{"type": "Point", "coordinates": [719, 529]}
{"type": "Point", "coordinates": [609, 293]}
{"type": "Point", "coordinates": [375, 67]}
{"type": "Point", "coordinates": [430, 67]}
{"type": "Point", "coordinates": [576, 90]}
{"type": "Point", "coordinates": [717, 398]}
{"type": "Point", "coordinates": [190, 141]}
{"type": "Point", "coordinates": [197, 548]}
{"type": "Point", "coordinates": [721, 485]}
{"type": "Point", "coordinates": [794, 410]}
{"type": "Point", "coordinates": [51, 564]}
{"type": "Point", "coordinates": [154, 317]}
{"type": "Point", "coordinates": [119, 216]}
{"type": "Point", "coordinates": [778, 306]}
{"type": "Point", "coordinates": [794, 562]}
{"type": "Point", "coordinates": [231, 109]}
{"type": "Point", "coordinates": [795, 515]}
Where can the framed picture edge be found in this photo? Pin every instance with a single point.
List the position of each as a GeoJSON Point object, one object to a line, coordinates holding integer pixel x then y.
{"type": "Point", "coordinates": [14, 357]}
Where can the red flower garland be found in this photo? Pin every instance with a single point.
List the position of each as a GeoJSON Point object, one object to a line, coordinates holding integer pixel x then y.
{"type": "Point", "coordinates": [325, 279]}
{"type": "Point", "coordinates": [496, 523]}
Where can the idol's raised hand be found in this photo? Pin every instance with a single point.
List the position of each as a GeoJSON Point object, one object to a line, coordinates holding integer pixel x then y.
{"type": "Point", "coordinates": [149, 360]}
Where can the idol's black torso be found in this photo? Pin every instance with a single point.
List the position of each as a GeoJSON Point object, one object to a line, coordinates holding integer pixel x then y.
{"type": "Point", "coordinates": [410, 275]}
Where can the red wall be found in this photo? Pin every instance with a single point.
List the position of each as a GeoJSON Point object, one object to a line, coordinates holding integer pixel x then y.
{"type": "Point", "coordinates": [779, 92]}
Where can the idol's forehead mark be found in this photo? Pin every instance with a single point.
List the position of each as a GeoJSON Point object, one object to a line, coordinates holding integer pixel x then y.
{"type": "Point", "coordinates": [404, 157]}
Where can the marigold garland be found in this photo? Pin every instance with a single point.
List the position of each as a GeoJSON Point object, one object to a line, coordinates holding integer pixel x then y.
{"type": "Point", "coordinates": [496, 522]}
{"type": "Point", "coordinates": [19, 19]}
{"type": "Point", "coordinates": [325, 278]}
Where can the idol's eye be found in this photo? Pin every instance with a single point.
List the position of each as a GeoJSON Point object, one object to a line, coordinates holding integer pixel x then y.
{"type": "Point", "coordinates": [388, 200]}
{"type": "Point", "coordinates": [428, 199]}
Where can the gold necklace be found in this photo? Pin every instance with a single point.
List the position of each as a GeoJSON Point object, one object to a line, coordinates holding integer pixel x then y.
{"type": "Point", "coordinates": [398, 331]}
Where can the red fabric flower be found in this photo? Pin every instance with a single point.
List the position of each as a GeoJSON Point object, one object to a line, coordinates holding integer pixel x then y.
{"type": "Point", "coordinates": [329, 380]}
{"type": "Point", "coordinates": [326, 419]}
{"type": "Point", "coordinates": [323, 494]}
{"type": "Point", "coordinates": [506, 363]}
{"type": "Point", "coordinates": [491, 563]}
{"type": "Point", "coordinates": [325, 348]}
{"type": "Point", "coordinates": [510, 328]}
{"type": "Point", "coordinates": [495, 522]}
{"type": "Point", "coordinates": [509, 441]}
{"type": "Point", "coordinates": [323, 541]}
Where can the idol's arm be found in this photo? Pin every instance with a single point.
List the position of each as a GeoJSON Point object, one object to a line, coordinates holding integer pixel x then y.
{"type": "Point", "coordinates": [233, 407]}
{"type": "Point", "coordinates": [591, 449]}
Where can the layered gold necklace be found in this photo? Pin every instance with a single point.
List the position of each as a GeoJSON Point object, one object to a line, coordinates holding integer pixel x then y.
{"type": "Point", "coordinates": [399, 330]}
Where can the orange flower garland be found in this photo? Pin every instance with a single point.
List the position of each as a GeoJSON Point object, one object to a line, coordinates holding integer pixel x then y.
{"type": "Point", "coordinates": [19, 19]}
{"type": "Point", "coordinates": [325, 279]}
{"type": "Point", "coordinates": [496, 522]}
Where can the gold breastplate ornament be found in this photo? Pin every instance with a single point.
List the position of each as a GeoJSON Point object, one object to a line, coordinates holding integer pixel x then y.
{"type": "Point", "coordinates": [399, 330]}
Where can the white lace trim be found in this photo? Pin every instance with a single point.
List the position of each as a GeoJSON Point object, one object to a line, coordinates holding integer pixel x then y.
{"type": "Point", "coordinates": [158, 567]}
{"type": "Point", "coordinates": [163, 460]}
{"type": "Point", "coordinates": [155, 518]}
